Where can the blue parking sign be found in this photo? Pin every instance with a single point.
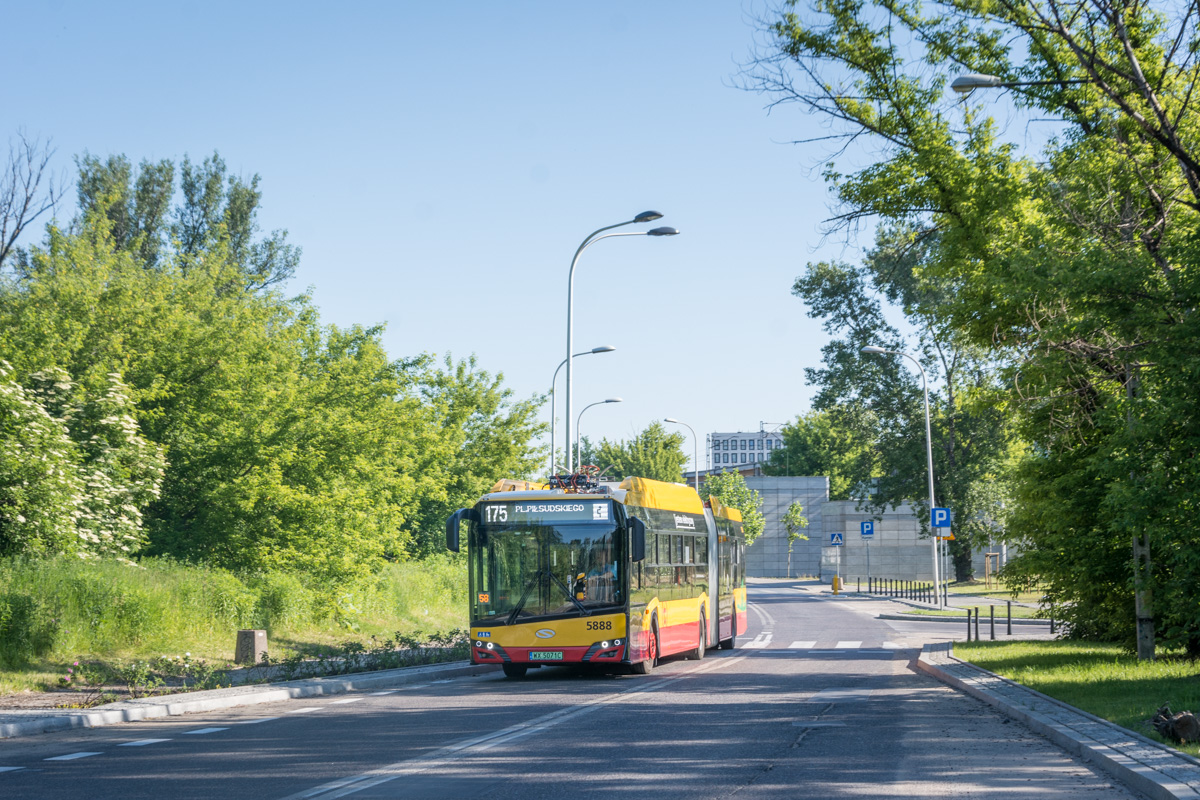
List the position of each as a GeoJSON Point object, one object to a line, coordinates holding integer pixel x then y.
{"type": "Point", "coordinates": [868, 528]}
{"type": "Point", "coordinates": [940, 517]}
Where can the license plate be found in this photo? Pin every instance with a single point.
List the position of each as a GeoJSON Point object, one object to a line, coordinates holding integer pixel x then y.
{"type": "Point", "coordinates": [546, 655]}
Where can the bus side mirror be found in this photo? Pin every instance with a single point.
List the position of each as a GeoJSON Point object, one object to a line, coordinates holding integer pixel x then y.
{"type": "Point", "coordinates": [637, 539]}
{"type": "Point", "coordinates": [452, 527]}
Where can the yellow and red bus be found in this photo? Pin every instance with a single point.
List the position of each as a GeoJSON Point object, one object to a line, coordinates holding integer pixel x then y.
{"type": "Point", "coordinates": [600, 574]}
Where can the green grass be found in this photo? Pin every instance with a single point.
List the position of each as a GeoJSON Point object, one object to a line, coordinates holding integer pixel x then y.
{"type": "Point", "coordinates": [1102, 679]}
{"type": "Point", "coordinates": [54, 611]}
{"type": "Point", "coordinates": [996, 590]}
{"type": "Point", "coordinates": [1018, 612]}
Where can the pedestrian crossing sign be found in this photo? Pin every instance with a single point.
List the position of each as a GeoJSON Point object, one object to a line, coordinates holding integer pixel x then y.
{"type": "Point", "coordinates": [835, 540]}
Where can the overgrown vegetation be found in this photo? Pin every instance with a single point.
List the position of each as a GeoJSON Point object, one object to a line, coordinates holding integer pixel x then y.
{"type": "Point", "coordinates": [109, 616]}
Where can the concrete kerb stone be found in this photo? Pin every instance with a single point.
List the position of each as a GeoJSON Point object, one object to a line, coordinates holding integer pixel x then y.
{"type": "Point", "coordinates": [1143, 764]}
{"type": "Point", "coordinates": [28, 722]}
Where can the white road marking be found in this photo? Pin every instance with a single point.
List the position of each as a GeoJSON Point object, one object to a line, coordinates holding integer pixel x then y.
{"type": "Point", "coordinates": [448, 680]}
{"type": "Point", "coordinates": [304, 710]}
{"type": "Point", "coordinates": [347, 700]}
{"type": "Point", "coordinates": [442, 757]}
{"type": "Point", "coordinates": [71, 756]}
{"type": "Point", "coordinates": [848, 645]}
{"type": "Point", "coordinates": [802, 645]}
{"type": "Point", "coordinates": [10, 769]}
{"type": "Point", "coordinates": [767, 620]}
{"type": "Point", "coordinates": [142, 742]}
{"type": "Point", "coordinates": [202, 731]}
{"type": "Point", "coordinates": [381, 694]}
{"type": "Point", "coordinates": [840, 696]}
{"type": "Point", "coordinates": [761, 641]}
{"type": "Point", "coordinates": [254, 721]}
{"type": "Point", "coordinates": [816, 724]}
{"type": "Point", "coordinates": [893, 646]}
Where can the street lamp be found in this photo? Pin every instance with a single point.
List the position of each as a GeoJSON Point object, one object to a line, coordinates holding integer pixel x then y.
{"type": "Point", "coordinates": [695, 449]}
{"type": "Point", "coordinates": [928, 456]}
{"type": "Point", "coordinates": [554, 382]}
{"type": "Point", "coordinates": [645, 216]}
{"type": "Point", "coordinates": [965, 84]}
{"type": "Point", "coordinates": [585, 408]}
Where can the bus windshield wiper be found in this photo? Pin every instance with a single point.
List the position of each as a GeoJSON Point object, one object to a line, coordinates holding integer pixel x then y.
{"type": "Point", "coordinates": [582, 608]}
{"type": "Point", "coordinates": [524, 597]}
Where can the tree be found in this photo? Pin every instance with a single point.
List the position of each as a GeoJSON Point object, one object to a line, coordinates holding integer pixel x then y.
{"type": "Point", "coordinates": [794, 522]}
{"type": "Point", "coordinates": [654, 453]}
{"type": "Point", "coordinates": [834, 442]}
{"type": "Point", "coordinates": [731, 489]}
{"type": "Point", "coordinates": [1070, 271]}
{"type": "Point", "coordinates": [215, 208]}
{"type": "Point", "coordinates": [136, 206]}
{"type": "Point", "coordinates": [870, 425]}
{"type": "Point", "coordinates": [27, 190]}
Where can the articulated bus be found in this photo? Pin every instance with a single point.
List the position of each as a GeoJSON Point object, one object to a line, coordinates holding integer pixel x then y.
{"type": "Point", "coordinates": [592, 573]}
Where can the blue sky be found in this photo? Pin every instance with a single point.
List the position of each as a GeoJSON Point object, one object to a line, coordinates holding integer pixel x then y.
{"type": "Point", "coordinates": [440, 163]}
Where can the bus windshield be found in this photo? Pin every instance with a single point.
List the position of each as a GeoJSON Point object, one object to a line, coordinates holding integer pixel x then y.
{"type": "Point", "coordinates": [530, 569]}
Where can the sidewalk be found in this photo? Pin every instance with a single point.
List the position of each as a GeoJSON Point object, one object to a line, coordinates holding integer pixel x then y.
{"type": "Point", "coordinates": [26, 722]}
{"type": "Point", "coordinates": [1144, 765]}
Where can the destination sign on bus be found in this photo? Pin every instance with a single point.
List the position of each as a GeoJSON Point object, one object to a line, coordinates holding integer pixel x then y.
{"type": "Point", "coordinates": [550, 511]}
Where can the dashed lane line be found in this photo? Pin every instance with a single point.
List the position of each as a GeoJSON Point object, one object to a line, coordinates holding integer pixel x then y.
{"type": "Point", "coordinates": [802, 645]}
{"type": "Point", "coordinates": [366, 780]}
{"type": "Point", "coordinates": [347, 700]}
{"type": "Point", "coordinates": [71, 756]}
{"type": "Point", "coordinates": [10, 769]}
{"type": "Point", "coordinates": [142, 742]}
{"type": "Point", "coordinates": [203, 731]}
{"type": "Point", "coordinates": [848, 645]}
{"type": "Point", "coordinates": [304, 710]}
{"type": "Point", "coordinates": [254, 721]}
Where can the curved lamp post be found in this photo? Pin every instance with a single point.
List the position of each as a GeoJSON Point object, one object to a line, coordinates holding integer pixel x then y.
{"type": "Point", "coordinates": [585, 408]}
{"type": "Point", "coordinates": [554, 382]}
{"type": "Point", "coordinates": [593, 237]}
{"type": "Point", "coordinates": [965, 84]}
{"type": "Point", "coordinates": [928, 456]}
{"type": "Point", "coordinates": [695, 448]}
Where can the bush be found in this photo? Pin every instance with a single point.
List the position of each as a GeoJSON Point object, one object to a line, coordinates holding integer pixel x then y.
{"type": "Point", "coordinates": [27, 630]}
{"type": "Point", "coordinates": [283, 601]}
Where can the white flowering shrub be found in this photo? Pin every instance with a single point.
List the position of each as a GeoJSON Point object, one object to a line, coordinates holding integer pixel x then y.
{"type": "Point", "coordinates": [75, 470]}
{"type": "Point", "coordinates": [40, 487]}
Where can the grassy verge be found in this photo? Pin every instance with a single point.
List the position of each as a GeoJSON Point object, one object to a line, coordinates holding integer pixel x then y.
{"type": "Point", "coordinates": [1102, 679]}
{"type": "Point", "coordinates": [54, 612]}
{"type": "Point", "coordinates": [1018, 612]}
{"type": "Point", "coordinates": [996, 591]}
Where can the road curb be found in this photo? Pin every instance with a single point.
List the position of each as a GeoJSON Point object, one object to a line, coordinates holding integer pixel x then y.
{"type": "Point", "coordinates": [45, 721]}
{"type": "Point", "coordinates": [1042, 623]}
{"type": "Point", "coordinates": [1140, 763]}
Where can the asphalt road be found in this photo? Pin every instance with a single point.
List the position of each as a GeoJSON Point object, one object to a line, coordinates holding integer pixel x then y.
{"type": "Point", "coordinates": [819, 700]}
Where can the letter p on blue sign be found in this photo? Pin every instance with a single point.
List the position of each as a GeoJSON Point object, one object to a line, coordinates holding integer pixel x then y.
{"type": "Point", "coordinates": [940, 517]}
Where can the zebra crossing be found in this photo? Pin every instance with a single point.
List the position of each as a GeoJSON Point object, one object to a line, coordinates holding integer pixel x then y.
{"type": "Point", "coordinates": [765, 643]}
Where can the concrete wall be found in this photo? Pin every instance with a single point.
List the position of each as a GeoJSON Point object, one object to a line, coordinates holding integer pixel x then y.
{"type": "Point", "coordinates": [768, 556]}
{"type": "Point", "coordinates": [897, 551]}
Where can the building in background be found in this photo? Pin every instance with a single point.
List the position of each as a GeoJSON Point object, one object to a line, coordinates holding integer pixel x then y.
{"type": "Point", "coordinates": [737, 449]}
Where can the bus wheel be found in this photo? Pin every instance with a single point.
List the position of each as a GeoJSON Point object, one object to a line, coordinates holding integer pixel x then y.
{"type": "Point", "coordinates": [515, 670]}
{"type": "Point", "coordinates": [701, 647]}
{"type": "Point", "coordinates": [644, 667]}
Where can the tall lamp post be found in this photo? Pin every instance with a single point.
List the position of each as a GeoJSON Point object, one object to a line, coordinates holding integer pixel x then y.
{"type": "Point", "coordinates": [585, 408]}
{"type": "Point", "coordinates": [593, 237]}
{"type": "Point", "coordinates": [928, 457]}
{"type": "Point", "coordinates": [695, 448]}
{"type": "Point", "coordinates": [553, 383]}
